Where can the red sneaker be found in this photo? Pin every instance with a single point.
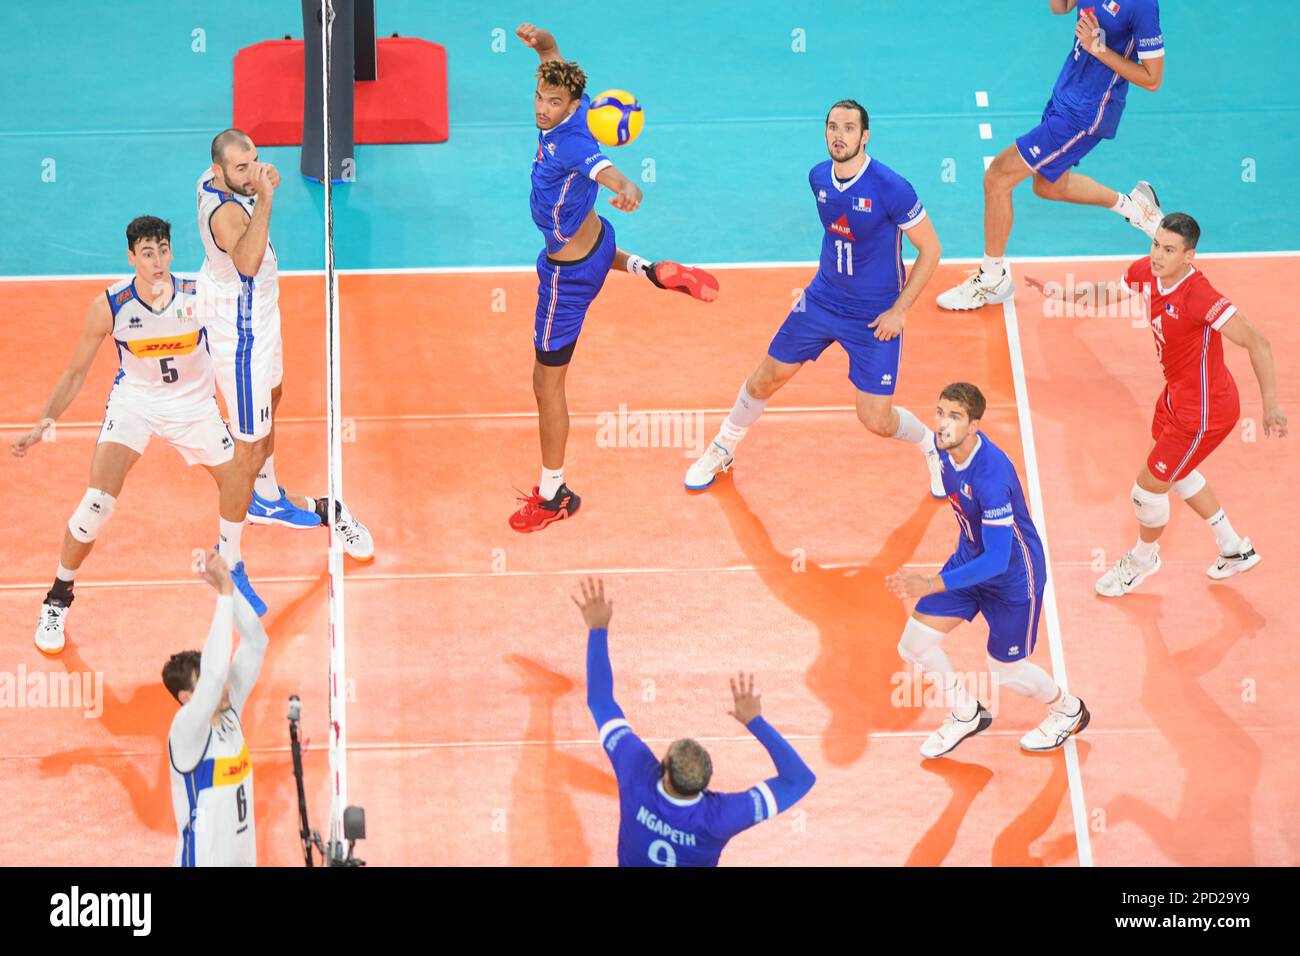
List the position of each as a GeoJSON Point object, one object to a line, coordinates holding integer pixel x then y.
{"type": "Point", "coordinates": [535, 513]}
{"type": "Point", "coordinates": [696, 283]}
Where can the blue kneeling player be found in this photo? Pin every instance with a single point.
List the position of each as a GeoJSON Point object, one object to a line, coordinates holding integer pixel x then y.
{"type": "Point", "coordinates": [998, 571]}
{"type": "Point", "coordinates": [667, 816]}
{"type": "Point", "coordinates": [858, 298]}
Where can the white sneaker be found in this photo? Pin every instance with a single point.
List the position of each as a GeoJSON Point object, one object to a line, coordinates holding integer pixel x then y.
{"type": "Point", "coordinates": [1148, 219]}
{"type": "Point", "coordinates": [1230, 564]}
{"type": "Point", "coordinates": [1055, 729]}
{"type": "Point", "coordinates": [715, 460]}
{"type": "Point", "coordinates": [49, 632]}
{"type": "Point", "coordinates": [1126, 575]}
{"type": "Point", "coordinates": [977, 291]}
{"type": "Point", "coordinates": [953, 732]}
{"type": "Point", "coordinates": [935, 464]}
{"type": "Point", "coordinates": [357, 542]}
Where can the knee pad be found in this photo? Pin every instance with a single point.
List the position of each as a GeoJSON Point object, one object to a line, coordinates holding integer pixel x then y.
{"type": "Point", "coordinates": [95, 509]}
{"type": "Point", "coordinates": [1189, 485]}
{"type": "Point", "coordinates": [1152, 509]}
{"type": "Point", "coordinates": [1024, 678]}
{"type": "Point", "coordinates": [918, 640]}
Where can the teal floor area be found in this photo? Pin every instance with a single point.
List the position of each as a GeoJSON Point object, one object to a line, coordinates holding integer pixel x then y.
{"type": "Point", "coordinates": [109, 116]}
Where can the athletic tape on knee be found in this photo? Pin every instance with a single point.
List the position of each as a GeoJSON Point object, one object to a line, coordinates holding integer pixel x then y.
{"type": "Point", "coordinates": [1189, 484]}
{"type": "Point", "coordinates": [1152, 509]}
{"type": "Point", "coordinates": [1024, 678]}
{"type": "Point", "coordinates": [918, 639]}
{"type": "Point", "coordinates": [95, 509]}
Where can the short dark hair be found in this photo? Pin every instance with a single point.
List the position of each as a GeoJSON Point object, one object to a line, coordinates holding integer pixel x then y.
{"type": "Point", "coordinates": [180, 672]}
{"type": "Point", "coordinates": [147, 227]}
{"type": "Point", "coordinates": [227, 138]}
{"type": "Point", "coordinates": [967, 396]}
{"type": "Point", "coordinates": [1185, 226]}
{"type": "Point", "coordinates": [563, 73]}
{"type": "Point", "coordinates": [689, 767]}
{"type": "Point", "coordinates": [850, 105]}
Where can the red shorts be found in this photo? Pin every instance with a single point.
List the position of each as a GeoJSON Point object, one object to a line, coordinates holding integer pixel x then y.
{"type": "Point", "coordinates": [1180, 447]}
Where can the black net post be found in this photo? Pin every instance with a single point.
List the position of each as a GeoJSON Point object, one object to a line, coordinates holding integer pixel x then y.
{"type": "Point", "coordinates": [341, 67]}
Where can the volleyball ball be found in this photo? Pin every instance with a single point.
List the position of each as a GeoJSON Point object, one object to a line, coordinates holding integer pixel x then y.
{"type": "Point", "coordinates": [615, 118]}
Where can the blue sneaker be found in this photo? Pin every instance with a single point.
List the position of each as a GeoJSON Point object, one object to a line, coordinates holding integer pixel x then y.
{"type": "Point", "coordinates": [240, 577]}
{"type": "Point", "coordinates": [282, 512]}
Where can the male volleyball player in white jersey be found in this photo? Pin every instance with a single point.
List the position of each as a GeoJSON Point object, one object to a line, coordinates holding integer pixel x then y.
{"type": "Point", "coordinates": [239, 294]}
{"type": "Point", "coordinates": [163, 387]}
{"type": "Point", "coordinates": [211, 774]}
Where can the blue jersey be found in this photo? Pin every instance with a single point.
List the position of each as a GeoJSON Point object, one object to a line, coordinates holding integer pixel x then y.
{"type": "Point", "coordinates": [656, 829]}
{"type": "Point", "coordinates": [1088, 91]}
{"type": "Point", "coordinates": [861, 269]}
{"type": "Point", "coordinates": [984, 491]}
{"type": "Point", "coordinates": [564, 177]}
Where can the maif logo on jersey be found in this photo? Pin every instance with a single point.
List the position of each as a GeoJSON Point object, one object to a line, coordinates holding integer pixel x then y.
{"type": "Point", "coordinates": [841, 227]}
{"type": "Point", "coordinates": [861, 204]}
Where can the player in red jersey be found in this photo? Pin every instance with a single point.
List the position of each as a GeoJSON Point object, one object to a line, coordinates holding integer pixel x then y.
{"type": "Point", "coordinates": [1199, 406]}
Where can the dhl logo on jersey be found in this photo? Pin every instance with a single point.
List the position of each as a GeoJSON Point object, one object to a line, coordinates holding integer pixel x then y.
{"type": "Point", "coordinates": [182, 344]}
{"type": "Point", "coordinates": [228, 771]}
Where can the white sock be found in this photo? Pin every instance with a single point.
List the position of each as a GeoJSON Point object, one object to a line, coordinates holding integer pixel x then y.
{"type": "Point", "coordinates": [1125, 206]}
{"type": "Point", "coordinates": [1145, 551]}
{"type": "Point", "coordinates": [1229, 543]}
{"type": "Point", "coordinates": [266, 485]}
{"type": "Point", "coordinates": [746, 410]}
{"type": "Point", "coordinates": [994, 265]}
{"type": "Point", "coordinates": [636, 265]}
{"type": "Point", "coordinates": [1066, 705]}
{"type": "Point", "coordinates": [66, 574]}
{"type": "Point", "coordinates": [936, 661]}
{"type": "Point", "coordinates": [550, 483]}
{"type": "Point", "coordinates": [910, 428]}
{"type": "Point", "coordinates": [228, 545]}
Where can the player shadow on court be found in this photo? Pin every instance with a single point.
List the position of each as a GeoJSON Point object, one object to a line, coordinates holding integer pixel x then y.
{"type": "Point", "coordinates": [1077, 370]}
{"type": "Point", "coordinates": [544, 827]}
{"type": "Point", "coordinates": [1012, 847]}
{"type": "Point", "coordinates": [1221, 763]}
{"type": "Point", "coordinates": [966, 781]}
{"type": "Point", "coordinates": [857, 619]}
{"type": "Point", "coordinates": [147, 711]}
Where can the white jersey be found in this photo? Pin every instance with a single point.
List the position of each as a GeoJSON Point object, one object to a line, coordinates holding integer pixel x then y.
{"type": "Point", "coordinates": [234, 294]}
{"type": "Point", "coordinates": [163, 353]}
{"type": "Point", "coordinates": [214, 801]}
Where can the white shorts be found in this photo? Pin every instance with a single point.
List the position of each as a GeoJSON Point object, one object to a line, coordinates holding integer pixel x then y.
{"type": "Point", "coordinates": [201, 437]}
{"type": "Point", "coordinates": [248, 360]}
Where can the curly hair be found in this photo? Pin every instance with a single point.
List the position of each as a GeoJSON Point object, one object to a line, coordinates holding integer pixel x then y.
{"type": "Point", "coordinates": [689, 767]}
{"type": "Point", "coordinates": [563, 73]}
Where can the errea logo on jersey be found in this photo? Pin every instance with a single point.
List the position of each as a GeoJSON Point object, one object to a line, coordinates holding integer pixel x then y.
{"type": "Point", "coordinates": [821, 195]}
{"type": "Point", "coordinates": [1034, 151]}
{"type": "Point", "coordinates": [1161, 466]}
{"type": "Point", "coordinates": [887, 379]}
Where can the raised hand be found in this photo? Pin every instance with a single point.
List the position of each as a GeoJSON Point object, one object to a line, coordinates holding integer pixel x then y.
{"type": "Point", "coordinates": [596, 611]}
{"type": "Point", "coordinates": [747, 704]}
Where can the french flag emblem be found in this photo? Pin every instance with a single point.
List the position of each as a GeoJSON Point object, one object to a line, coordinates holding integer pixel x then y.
{"type": "Point", "coordinates": [965, 489]}
{"type": "Point", "coordinates": [861, 204]}
{"type": "Point", "coordinates": [1111, 7]}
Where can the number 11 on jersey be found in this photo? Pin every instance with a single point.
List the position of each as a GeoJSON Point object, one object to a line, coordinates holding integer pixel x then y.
{"type": "Point", "coordinates": [844, 256]}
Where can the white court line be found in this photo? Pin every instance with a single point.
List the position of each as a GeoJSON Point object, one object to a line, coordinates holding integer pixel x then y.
{"type": "Point", "coordinates": [790, 264]}
{"type": "Point", "coordinates": [1081, 837]}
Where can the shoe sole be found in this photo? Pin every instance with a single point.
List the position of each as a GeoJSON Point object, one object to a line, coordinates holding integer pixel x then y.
{"type": "Point", "coordinates": [559, 516]}
{"type": "Point", "coordinates": [986, 721]}
{"type": "Point", "coordinates": [50, 653]}
{"type": "Point", "coordinates": [696, 283]}
{"type": "Point", "coordinates": [995, 300]}
{"type": "Point", "coordinates": [1233, 569]}
{"type": "Point", "coordinates": [708, 484]}
{"type": "Point", "coordinates": [1134, 583]}
{"type": "Point", "coordinates": [259, 519]}
{"type": "Point", "coordinates": [1087, 716]}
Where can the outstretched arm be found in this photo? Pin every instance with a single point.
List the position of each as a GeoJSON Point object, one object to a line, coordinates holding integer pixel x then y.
{"type": "Point", "coordinates": [1082, 293]}
{"type": "Point", "coordinates": [1239, 331]}
{"type": "Point", "coordinates": [794, 778]}
{"type": "Point", "coordinates": [253, 641]}
{"type": "Point", "coordinates": [542, 42]}
{"type": "Point", "coordinates": [190, 727]}
{"type": "Point", "coordinates": [596, 611]}
{"type": "Point", "coordinates": [99, 324]}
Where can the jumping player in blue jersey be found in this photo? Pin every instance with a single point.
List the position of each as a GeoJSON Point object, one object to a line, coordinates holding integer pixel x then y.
{"type": "Point", "coordinates": [1116, 42]}
{"type": "Point", "coordinates": [568, 171]}
{"type": "Point", "coordinates": [998, 571]}
{"type": "Point", "coordinates": [858, 298]}
{"type": "Point", "coordinates": [668, 817]}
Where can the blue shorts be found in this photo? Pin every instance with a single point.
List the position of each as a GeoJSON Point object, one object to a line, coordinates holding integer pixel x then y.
{"type": "Point", "coordinates": [565, 291]}
{"type": "Point", "coordinates": [1055, 144]}
{"type": "Point", "coordinates": [1013, 624]}
{"type": "Point", "coordinates": [804, 335]}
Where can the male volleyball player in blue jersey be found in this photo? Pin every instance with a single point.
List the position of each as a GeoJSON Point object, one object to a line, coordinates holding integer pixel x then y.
{"type": "Point", "coordinates": [567, 174]}
{"type": "Point", "coordinates": [667, 816]}
{"type": "Point", "coordinates": [1116, 42]}
{"type": "Point", "coordinates": [998, 570]}
{"type": "Point", "coordinates": [858, 297]}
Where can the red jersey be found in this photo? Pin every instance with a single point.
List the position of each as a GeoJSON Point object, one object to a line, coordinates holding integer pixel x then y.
{"type": "Point", "coordinates": [1185, 320]}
